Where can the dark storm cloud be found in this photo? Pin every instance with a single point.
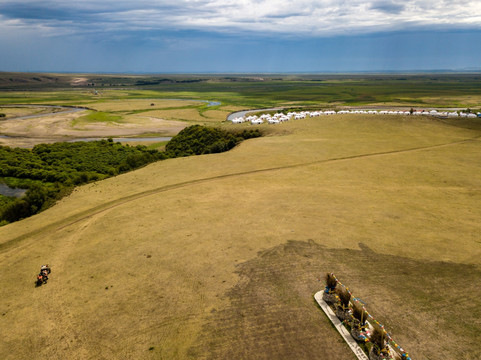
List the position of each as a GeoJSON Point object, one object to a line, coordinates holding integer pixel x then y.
{"type": "Point", "coordinates": [40, 12]}
{"type": "Point", "coordinates": [388, 7]}
{"type": "Point", "coordinates": [289, 17]}
{"type": "Point", "coordinates": [82, 12]}
{"type": "Point", "coordinates": [196, 35]}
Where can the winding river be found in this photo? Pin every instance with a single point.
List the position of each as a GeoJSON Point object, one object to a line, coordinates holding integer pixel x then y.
{"type": "Point", "coordinates": [63, 110]}
{"type": "Point", "coordinates": [72, 109]}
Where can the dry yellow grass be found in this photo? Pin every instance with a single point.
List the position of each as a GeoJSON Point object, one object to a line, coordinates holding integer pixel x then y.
{"type": "Point", "coordinates": [177, 114]}
{"type": "Point", "coordinates": [217, 256]}
{"type": "Point", "coordinates": [469, 100]}
{"type": "Point", "coordinates": [215, 116]}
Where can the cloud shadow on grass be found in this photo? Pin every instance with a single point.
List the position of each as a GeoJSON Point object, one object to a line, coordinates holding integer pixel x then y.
{"type": "Point", "coordinates": [430, 307]}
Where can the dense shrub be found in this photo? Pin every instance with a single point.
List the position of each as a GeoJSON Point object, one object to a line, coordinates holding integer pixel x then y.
{"type": "Point", "coordinates": [198, 140]}
{"type": "Point", "coordinates": [77, 162]}
{"type": "Point", "coordinates": [49, 169]}
{"type": "Point", "coordinates": [16, 210]}
{"type": "Point", "coordinates": [37, 198]}
{"type": "Point", "coordinates": [5, 200]}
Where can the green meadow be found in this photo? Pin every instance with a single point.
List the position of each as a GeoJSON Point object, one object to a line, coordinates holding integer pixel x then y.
{"type": "Point", "coordinates": [441, 90]}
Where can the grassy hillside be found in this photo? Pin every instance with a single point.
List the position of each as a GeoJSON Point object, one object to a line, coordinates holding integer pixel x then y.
{"type": "Point", "coordinates": [218, 256]}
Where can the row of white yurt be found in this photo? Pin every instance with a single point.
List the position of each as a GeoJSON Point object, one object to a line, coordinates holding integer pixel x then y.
{"type": "Point", "coordinates": [281, 117]}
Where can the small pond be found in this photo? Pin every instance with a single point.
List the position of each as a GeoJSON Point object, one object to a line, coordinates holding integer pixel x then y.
{"type": "Point", "coordinates": [8, 191]}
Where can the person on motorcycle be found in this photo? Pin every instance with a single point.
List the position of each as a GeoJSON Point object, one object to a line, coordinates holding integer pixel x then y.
{"type": "Point", "coordinates": [44, 271]}
{"type": "Point", "coordinates": [45, 268]}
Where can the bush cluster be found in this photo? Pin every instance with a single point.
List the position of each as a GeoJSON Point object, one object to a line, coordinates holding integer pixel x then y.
{"type": "Point", "coordinates": [198, 140]}
{"type": "Point", "coordinates": [37, 198]}
{"type": "Point", "coordinates": [51, 170]}
{"type": "Point", "coordinates": [73, 163]}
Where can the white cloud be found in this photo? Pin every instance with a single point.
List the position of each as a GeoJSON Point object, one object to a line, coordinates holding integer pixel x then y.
{"type": "Point", "coordinates": [290, 17]}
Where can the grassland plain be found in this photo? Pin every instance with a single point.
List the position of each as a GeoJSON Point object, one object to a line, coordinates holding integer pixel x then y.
{"type": "Point", "coordinates": [451, 90]}
{"type": "Point", "coordinates": [218, 256]}
{"type": "Point", "coordinates": [126, 103]}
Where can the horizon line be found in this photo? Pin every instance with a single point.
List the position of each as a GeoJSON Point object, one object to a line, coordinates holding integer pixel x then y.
{"type": "Point", "coordinates": [360, 72]}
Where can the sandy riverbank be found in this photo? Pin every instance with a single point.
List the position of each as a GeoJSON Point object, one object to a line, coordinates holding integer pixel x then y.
{"type": "Point", "coordinates": [61, 127]}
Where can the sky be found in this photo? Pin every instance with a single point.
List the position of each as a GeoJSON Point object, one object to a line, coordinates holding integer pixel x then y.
{"type": "Point", "coordinates": [240, 36]}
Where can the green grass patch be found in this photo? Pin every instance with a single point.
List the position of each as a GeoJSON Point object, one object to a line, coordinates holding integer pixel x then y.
{"type": "Point", "coordinates": [206, 107]}
{"type": "Point", "coordinates": [431, 90]}
{"type": "Point", "coordinates": [140, 111]}
{"type": "Point", "coordinates": [97, 116]}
